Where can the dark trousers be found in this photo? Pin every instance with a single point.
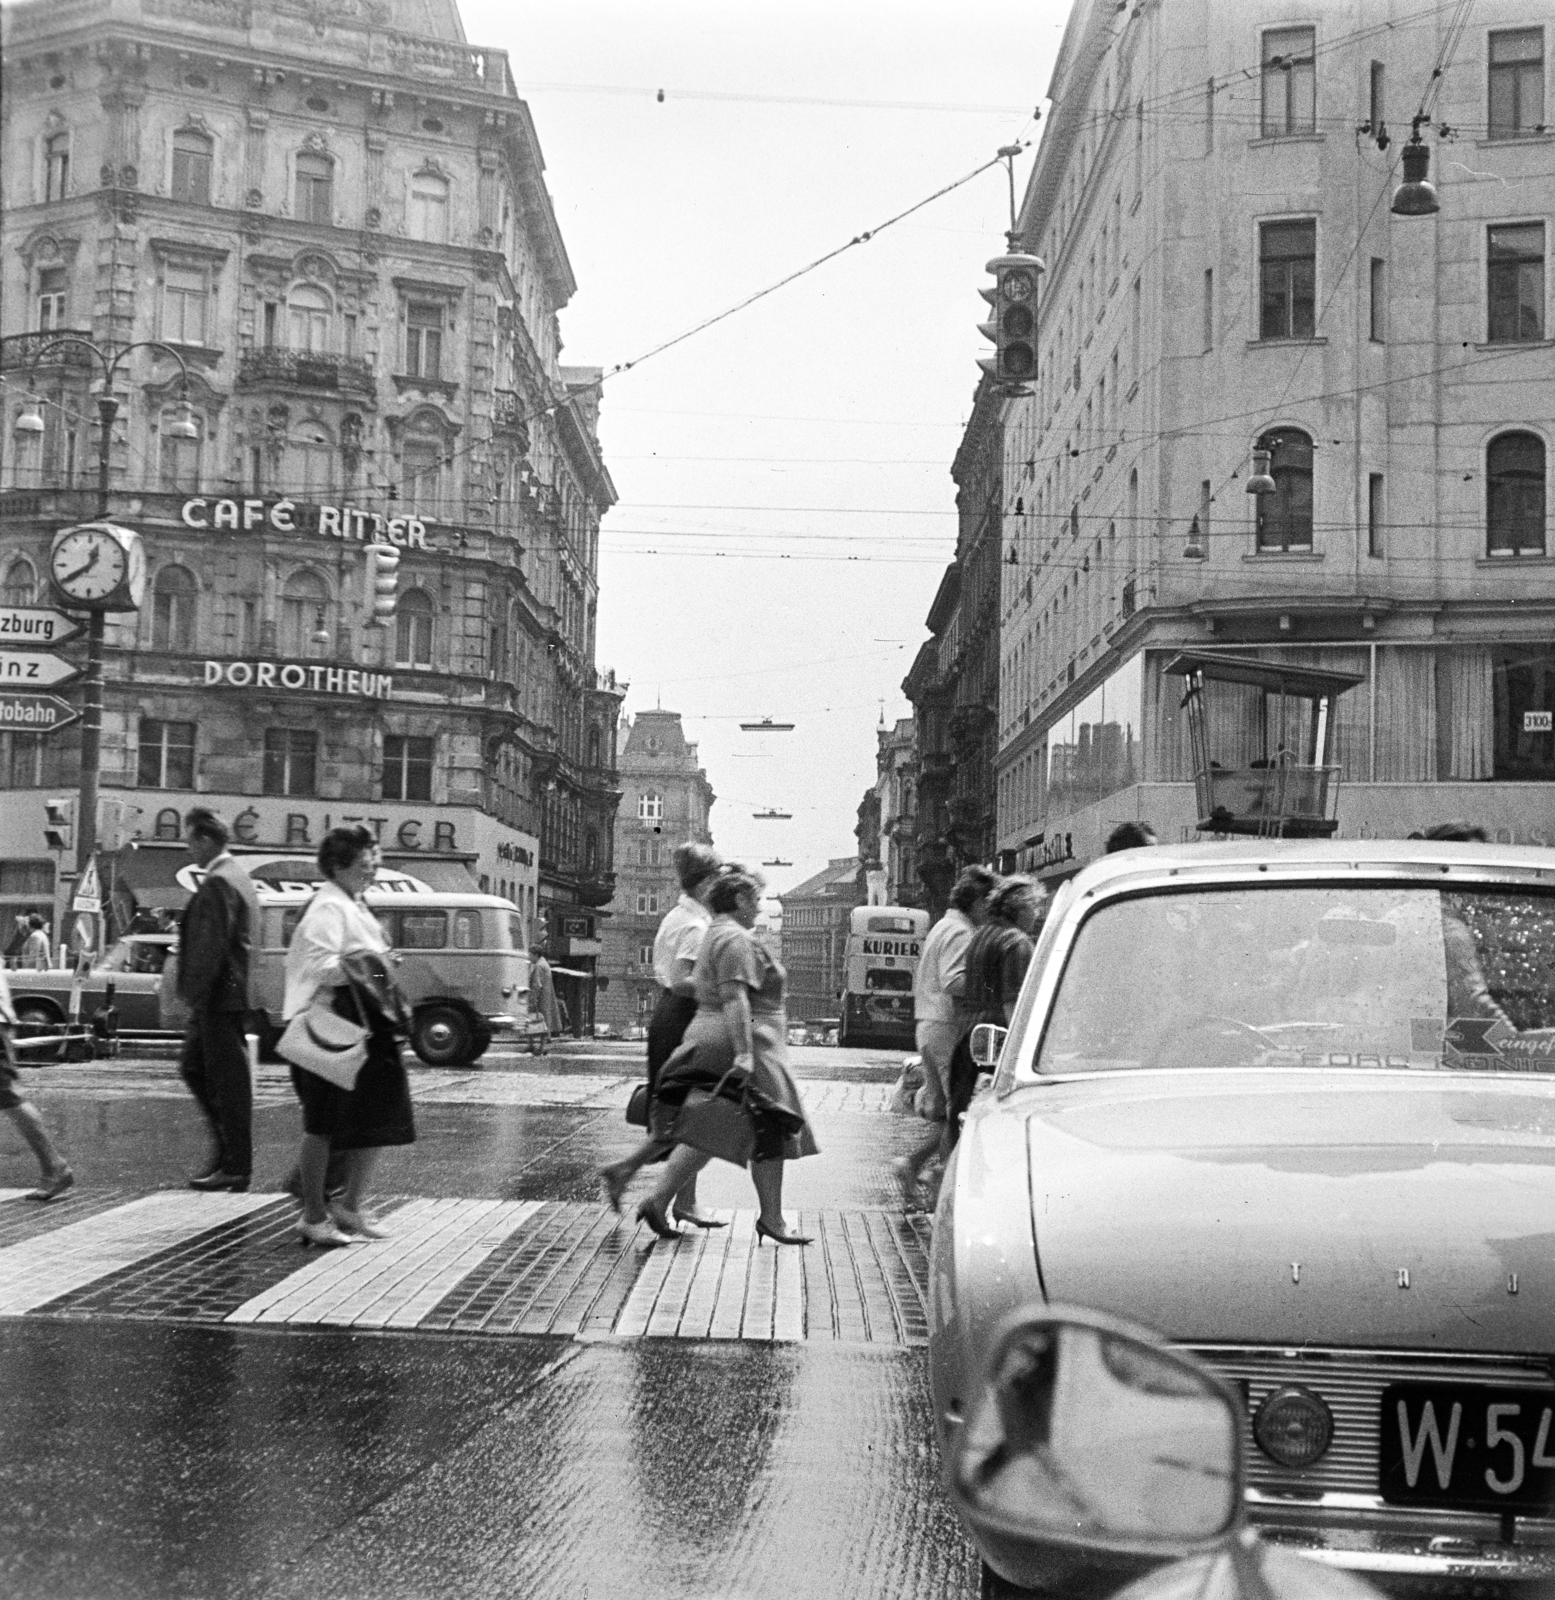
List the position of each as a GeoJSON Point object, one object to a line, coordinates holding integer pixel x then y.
{"type": "Point", "coordinates": [215, 1067]}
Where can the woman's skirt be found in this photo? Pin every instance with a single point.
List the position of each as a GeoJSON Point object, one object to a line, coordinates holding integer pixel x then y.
{"type": "Point", "coordinates": [376, 1112]}
{"type": "Point", "coordinates": [666, 1030]}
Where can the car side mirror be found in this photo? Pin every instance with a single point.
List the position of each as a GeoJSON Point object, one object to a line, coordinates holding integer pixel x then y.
{"type": "Point", "coordinates": [986, 1042]}
{"type": "Point", "coordinates": [1088, 1433]}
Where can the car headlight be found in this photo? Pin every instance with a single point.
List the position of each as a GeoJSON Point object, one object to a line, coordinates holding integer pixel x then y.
{"type": "Point", "coordinates": [1293, 1427]}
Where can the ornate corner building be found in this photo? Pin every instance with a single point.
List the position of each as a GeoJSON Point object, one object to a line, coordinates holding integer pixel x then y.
{"type": "Point", "coordinates": [665, 801]}
{"type": "Point", "coordinates": [331, 221]}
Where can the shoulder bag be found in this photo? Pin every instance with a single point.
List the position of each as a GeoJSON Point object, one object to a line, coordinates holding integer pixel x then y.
{"type": "Point", "coordinates": [322, 1042]}
{"type": "Point", "coordinates": [637, 1106]}
{"type": "Point", "coordinates": [716, 1126]}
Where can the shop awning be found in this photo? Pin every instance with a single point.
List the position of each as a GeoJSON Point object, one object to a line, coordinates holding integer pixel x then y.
{"type": "Point", "coordinates": [151, 876]}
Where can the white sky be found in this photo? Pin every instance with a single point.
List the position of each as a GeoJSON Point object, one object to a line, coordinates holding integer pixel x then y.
{"type": "Point", "coordinates": [820, 422]}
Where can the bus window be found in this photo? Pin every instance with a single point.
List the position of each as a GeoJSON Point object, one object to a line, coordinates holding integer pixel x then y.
{"type": "Point", "coordinates": [883, 980]}
{"type": "Point", "coordinates": [467, 930]}
{"type": "Point", "coordinates": [423, 930]}
{"type": "Point", "coordinates": [515, 932]}
{"type": "Point", "coordinates": [892, 925]}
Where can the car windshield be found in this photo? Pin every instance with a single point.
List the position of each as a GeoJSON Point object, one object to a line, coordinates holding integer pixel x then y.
{"type": "Point", "coordinates": [1332, 976]}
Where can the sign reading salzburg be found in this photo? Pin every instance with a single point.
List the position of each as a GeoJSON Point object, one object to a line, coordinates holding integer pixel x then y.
{"type": "Point", "coordinates": [287, 516]}
{"type": "Point", "coordinates": [35, 625]}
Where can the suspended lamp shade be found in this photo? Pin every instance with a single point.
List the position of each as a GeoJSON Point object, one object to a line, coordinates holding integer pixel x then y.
{"type": "Point", "coordinates": [185, 427]}
{"type": "Point", "coordinates": [30, 421]}
{"type": "Point", "coordinates": [320, 633]}
{"type": "Point", "coordinates": [1260, 482]}
{"type": "Point", "coordinates": [1193, 549]}
{"type": "Point", "coordinates": [1415, 196]}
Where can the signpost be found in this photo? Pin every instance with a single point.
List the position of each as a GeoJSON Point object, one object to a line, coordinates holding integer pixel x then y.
{"type": "Point", "coordinates": [29, 625]}
{"type": "Point", "coordinates": [35, 669]}
{"type": "Point", "coordinates": [35, 713]}
{"type": "Point", "coordinates": [89, 890]}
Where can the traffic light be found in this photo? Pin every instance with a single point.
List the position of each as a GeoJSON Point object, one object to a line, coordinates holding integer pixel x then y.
{"type": "Point", "coordinates": [117, 823]}
{"type": "Point", "coordinates": [59, 826]}
{"type": "Point", "coordinates": [383, 563]}
{"type": "Point", "coordinates": [1013, 326]}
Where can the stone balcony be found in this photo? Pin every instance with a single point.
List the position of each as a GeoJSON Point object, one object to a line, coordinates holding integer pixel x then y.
{"type": "Point", "coordinates": [309, 370]}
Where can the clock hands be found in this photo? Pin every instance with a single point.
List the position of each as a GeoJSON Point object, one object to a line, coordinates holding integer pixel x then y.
{"type": "Point", "coordinates": [81, 572]}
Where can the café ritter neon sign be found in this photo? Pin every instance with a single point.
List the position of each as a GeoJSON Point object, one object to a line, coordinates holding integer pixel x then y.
{"type": "Point", "coordinates": [286, 516]}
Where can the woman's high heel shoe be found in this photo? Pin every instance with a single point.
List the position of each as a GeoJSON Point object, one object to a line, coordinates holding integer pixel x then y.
{"type": "Point", "coordinates": [697, 1219]}
{"type": "Point", "coordinates": [321, 1233]}
{"type": "Point", "coordinates": [357, 1223]}
{"type": "Point", "coordinates": [612, 1185]}
{"type": "Point", "coordinates": [651, 1214]}
{"type": "Point", "coordinates": [777, 1237]}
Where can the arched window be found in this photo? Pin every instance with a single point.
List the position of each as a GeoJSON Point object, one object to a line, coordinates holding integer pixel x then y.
{"type": "Point", "coordinates": [179, 458]}
{"type": "Point", "coordinates": [192, 153]}
{"type": "Point", "coordinates": [1515, 495]}
{"type": "Point", "coordinates": [1285, 517]}
{"type": "Point", "coordinates": [21, 583]}
{"type": "Point", "coordinates": [310, 463]}
{"type": "Point", "coordinates": [310, 318]}
{"type": "Point", "coordinates": [413, 618]}
{"type": "Point", "coordinates": [591, 852]}
{"type": "Point", "coordinates": [650, 806]}
{"type": "Point", "coordinates": [593, 747]}
{"type": "Point", "coordinates": [315, 188]}
{"type": "Point", "coordinates": [429, 207]}
{"type": "Point", "coordinates": [56, 166]}
{"type": "Point", "coordinates": [304, 601]}
{"type": "Point", "coordinates": [172, 610]}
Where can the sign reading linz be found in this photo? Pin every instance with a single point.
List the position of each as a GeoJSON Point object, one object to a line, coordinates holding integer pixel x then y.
{"type": "Point", "coordinates": [35, 669]}
{"type": "Point", "coordinates": [35, 713]}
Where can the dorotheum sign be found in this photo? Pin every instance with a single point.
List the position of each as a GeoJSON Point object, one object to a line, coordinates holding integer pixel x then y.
{"type": "Point", "coordinates": [299, 677]}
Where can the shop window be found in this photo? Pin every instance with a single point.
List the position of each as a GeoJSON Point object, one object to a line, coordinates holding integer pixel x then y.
{"type": "Point", "coordinates": [166, 758]}
{"type": "Point", "coordinates": [291, 761]}
{"type": "Point", "coordinates": [173, 603]}
{"type": "Point", "coordinates": [1514, 283]}
{"type": "Point", "coordinates": [407, 767]}
{"type": "Point", "coordinates": [192, 167]}
{"type": "Point", "coordinates": [304, 605]}
{"type": "Point", "coordinates": [1289, 81]}
{"type": "Point", "coordinates": [51, 300]}
{"type": "Point", "coordinates": [413, 618]}
{"type": "Point", "coordinates": [1287, 280]}
{"type": "Point", "coordinates": [315, 188]}
{"type": "Point", "coordinates": [56, 166]}
{"type": "Point", "coordinates": [1515, 495]}
{"type": "Point", "coordinates": [1524, 702]}
{"type": "Point", "coordinates": [1285, 517]}
{"type": "Point", "coordinates": [1516, 82]}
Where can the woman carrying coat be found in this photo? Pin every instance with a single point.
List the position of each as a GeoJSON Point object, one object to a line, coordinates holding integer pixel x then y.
{"type": "Point", "coordinates": [736, 1045]}
{"type": "Point", "coordinates": [360, 1121]}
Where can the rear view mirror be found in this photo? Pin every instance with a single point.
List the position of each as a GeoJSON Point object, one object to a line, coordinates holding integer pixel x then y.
{"type": "Point", "coordinates": [986, 1042]}
{"type": "Point", "coordinates": [1089, 1433]}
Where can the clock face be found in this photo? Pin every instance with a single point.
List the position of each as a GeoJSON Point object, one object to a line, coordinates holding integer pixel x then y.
{"type": "Point", "coordinates": [88, 564]}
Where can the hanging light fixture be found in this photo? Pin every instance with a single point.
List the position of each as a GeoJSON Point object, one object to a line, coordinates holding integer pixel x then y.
{"type": "Point", "coordinates": [185, 427]}
{"type": "Point", "coordinates": [1013, 558]}
{"type": "Point", "coordinates": [1415, 196]}
{"type": "Point", "coordinates": [31, 420]}
{"type": "Point", "coordinates": [1260, 482]}
{"type": "Point", "coordinates": [320, 635]}
{"type": "Point", "coordinates": [1193, 550]}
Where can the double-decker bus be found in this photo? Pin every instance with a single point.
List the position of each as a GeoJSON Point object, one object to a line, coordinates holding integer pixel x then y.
{"type": "Point", "coordinates": [884, 943]}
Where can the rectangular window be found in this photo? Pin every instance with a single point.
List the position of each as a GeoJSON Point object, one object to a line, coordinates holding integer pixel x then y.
{"type": "Point", "coordinates": [51, 299]}
{"type": "Point", "coordinates": [183, 305]}
{"type": "Point", "coordinates": [1287, 267]}
{"type": "Point", "coordinates": [348, 336]}
{"type": "Point", "coordinates": [423, 467]}
{"type": "Point", "coordinates": [1523, 697]}
{"type": "Point", "coordinates": [1379, 300]}
{"type": "Point", "coordinates": [315, 188]}
{"type": "Point", "coordinates": [1374, 514]}
{"type": "Point", "coordinates": [1209, 308]}
{"type": "Point", "coordinates": [1377, 108]}
{"type": "Point", "coordinates": [423, 339]}
{"type": "Point", "coordinates": [291, 761]}
{"type": "Point", "coordinates": [423, 930]}
{"type": "Point", "coordinates": [1516, 82]}
{"type": "Point", "coordinates": [56, 166]}
{"type": "Point", "coordinates": [270, 324]}
{"type": "Point", "coordinates": [407, 767]}
{"type": "Point", "coordinates": [1514, 282]}
{"type": "Point", "coordinates": [192, 168]}
{"type": "Point", "coordinates": [645, 955]}
{"type": "Point", "coordinates": [1289, 81]}
{"type": "Point", "coordinates": [166, 754]}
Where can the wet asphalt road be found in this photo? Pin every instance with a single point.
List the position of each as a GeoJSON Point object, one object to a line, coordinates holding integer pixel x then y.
{"type": "Point", "coordinates": [158, 1457]}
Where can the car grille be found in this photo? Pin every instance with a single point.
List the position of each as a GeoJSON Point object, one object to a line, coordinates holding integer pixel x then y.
{"type": "Point", "coordinates": [1350, 1382]}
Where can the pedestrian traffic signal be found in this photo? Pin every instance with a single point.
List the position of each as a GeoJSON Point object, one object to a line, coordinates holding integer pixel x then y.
{"type": "Point", "coordinates": [1013, 326]}
{"type": "Point", "coordinates": [383, 564]}
{"type": "Point", "coordinates": [59, 825]}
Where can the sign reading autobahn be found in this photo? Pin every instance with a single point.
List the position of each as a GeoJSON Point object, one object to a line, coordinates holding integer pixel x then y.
{"type": "Point", "coordinates": [24, 667]}
{"type": "Point", "coordinates": [35, 713]}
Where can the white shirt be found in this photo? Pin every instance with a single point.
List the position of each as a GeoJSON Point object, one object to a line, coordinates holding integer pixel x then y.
{"type": "Point", "coordinates": [941, 973]}
{"type": "Point", "coordinates": [677, 942]}
{"type": "Point", "coordinates": [332, 926]}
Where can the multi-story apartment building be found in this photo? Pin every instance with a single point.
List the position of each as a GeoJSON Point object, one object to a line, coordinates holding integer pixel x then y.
{"type": "Point", "coordinates": [1224, 274]}
{"type": "Point", "coordinates": [888, 818]}
{"type": "Point", "coordinates": [814, 937]}
{"type": "Point", "coordinates": [327, 229]}
{"type": "Point", "coordinates": [666, 800]}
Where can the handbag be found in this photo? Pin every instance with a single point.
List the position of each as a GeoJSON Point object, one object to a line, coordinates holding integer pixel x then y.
{"type": "Point", "coordinates": [637, 1106]}
{"type": "Point", "coordinates": [715, 1126]}
{"type": "Point", "coordinates": [321, 1041]}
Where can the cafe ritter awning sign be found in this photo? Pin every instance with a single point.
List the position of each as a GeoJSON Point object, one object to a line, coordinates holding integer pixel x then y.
{"type": "Point", "coordinates": [349, 523]}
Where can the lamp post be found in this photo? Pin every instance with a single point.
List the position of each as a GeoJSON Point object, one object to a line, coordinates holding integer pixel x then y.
{"type": "Point", "coordinates": [30, 422]}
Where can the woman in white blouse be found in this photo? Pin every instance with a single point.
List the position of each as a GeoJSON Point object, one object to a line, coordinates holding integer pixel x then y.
{"type": "Point", "coordinates": [376, 1112]}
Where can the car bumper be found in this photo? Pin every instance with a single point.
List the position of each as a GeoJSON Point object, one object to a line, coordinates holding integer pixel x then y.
{"type": "Point", "coordinates": [507, 1024]}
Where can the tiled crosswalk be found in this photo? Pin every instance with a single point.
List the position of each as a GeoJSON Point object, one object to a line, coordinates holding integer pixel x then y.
{"type": "Point", "coordinates": [476, 1266]}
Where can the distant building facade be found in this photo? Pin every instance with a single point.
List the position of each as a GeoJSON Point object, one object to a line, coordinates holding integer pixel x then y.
{"type": "Point", "coordinates": [814, 937]}
{"type": "Point", "coordinates": [666, 800]}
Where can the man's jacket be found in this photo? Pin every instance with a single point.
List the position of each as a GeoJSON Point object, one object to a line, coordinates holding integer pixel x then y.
{"type": "Point", "coordinates": [216, 940]}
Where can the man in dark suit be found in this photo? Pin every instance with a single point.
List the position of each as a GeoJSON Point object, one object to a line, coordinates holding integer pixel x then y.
{"type": "Point", "coordinates": [216, 977]}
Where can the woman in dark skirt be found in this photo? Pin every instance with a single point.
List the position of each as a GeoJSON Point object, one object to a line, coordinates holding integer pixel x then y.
{"type": "Point", "coordinates": [360, 1121]}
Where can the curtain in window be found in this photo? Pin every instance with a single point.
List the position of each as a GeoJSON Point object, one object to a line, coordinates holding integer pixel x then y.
{"type": "Point", "coordinates": [1467, 678]}
{"type": "Point", "coordinates": [305, 596]}
{"type": "Point", "coordinates": [1406, 715]}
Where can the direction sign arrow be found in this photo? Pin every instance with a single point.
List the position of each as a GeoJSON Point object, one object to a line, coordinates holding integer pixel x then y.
{"type": "Point", "coordinates": [35, 713]}
{"type": "Point", "coordinates": [30, 625]}
{"type": "Point", "coordinates": [34, 669]}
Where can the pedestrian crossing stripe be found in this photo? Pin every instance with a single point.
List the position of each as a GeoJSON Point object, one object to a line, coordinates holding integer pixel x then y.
{"type": "Point", "coordinates": [449, 1265]}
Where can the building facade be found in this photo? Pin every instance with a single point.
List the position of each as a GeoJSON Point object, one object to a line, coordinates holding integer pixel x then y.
{"type": "Point", "coordinates": [887, 820]}
{"type": "Point", "coordinates": [814, 936]}
{"type": "Point", "coordinates": [666, 801]}
{"type": "Point", "coordinates": [328, 231]}
{"type": "Point", "coordinates": [1224, 274]}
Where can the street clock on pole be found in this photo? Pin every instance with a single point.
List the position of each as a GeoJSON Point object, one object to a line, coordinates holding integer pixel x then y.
{"type": "Point", "coordinates": [99, 566]}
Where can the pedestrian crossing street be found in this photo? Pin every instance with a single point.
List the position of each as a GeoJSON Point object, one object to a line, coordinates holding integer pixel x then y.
{"type": "Point", "coordinates": [461, 1266]}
